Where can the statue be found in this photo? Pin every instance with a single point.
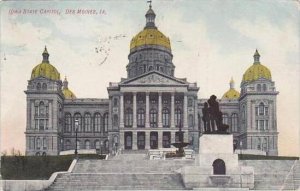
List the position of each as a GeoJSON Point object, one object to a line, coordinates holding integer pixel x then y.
{"type": "Point", "coordinates": [212, 117]}
{"type": "Point", "coordinates": [206, 118]}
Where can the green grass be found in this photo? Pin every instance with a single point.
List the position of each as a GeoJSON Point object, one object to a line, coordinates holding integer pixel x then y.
{"type": "Point", "coordinates": [37, 167]}
{"type": "Point", "coordinates": [261, 157]}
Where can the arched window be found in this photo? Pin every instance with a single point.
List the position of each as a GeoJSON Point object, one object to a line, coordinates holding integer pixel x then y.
{"type": "Point", "coordinates": [97, 144]}
{"type": "Point", "coordinates": [42, 108]}
{"type": "Point", "coordinates": [68, 145]}
{"type": "Point", "coordinates": [141, 118]}
{"type": "Point", "coordinates": [234, 122]}
{"type": "Point", "coordinates": [105, 124]}
{"type": "Point", "coordinates": [264, 87]}
{"type": "Point", "coordinates": [191, 120]}
{"type": "Point", "coordinates": [177, 117]}
{"type": "Point", "coordinates": [166, 117]}
{"type": "Point", "coordinates": [87, 144]}
{"type": "Point", "coordinates": [219, 167]}
{"type": "Point", "coordinates": [68, 122]}
{"type": "Point", "coordinates": [153, 118]}
{"type": "Point", "coordinates": [243, 112]}
{"type": "Point", "coordinates": [97, 122]}
{"type": "Point", "coordinates": [38, 143]}
{"type": "Point", "coordinates": [77, 117]}
{"type": "Point", "coordinates": [38, 86]}
{"type": "Point", "coordinates": [115, 121]}
{"type": "Point", "coordinates": [87, 122]}
{"type": "Point", "coordinates": [258, 87]}
{"type": "Point", "coordinates": [261, 109]}
{"type": "Point", "coordinates": [128, 118]}
{"type": "Point", "coordinates": [225, 118]}
{"type": "Point", "coordinates": [150, 68]}
{"type": "Point", "coordinates": [44, 87]}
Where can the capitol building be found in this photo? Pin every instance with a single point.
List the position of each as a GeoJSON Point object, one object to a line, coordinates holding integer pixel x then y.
{"type": "Point", "coordinates": [145, 110]}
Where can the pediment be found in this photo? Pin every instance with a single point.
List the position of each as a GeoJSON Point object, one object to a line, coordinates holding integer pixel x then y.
{"type": "Point", "coordinates": [154, 78]}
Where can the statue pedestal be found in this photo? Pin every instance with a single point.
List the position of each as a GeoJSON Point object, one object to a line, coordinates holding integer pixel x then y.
{"type": "Point", "coordinates": [218, 166]}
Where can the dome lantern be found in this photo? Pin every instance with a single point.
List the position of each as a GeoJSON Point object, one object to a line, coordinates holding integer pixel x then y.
{"type": "Point", "coordinates": [256, 71]}
{"type": "Point", "coordinates": [65, 83]}
{"type": "Point", "coordinates": [150, 17]}
{"type": "Point", "coordinates": [231, 93]}
{"type": "Point", "coordinates": [45, 69]}
{"type": "Point", "coordinates": [45, 55]}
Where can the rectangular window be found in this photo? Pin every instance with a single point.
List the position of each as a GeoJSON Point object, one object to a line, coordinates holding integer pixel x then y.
{"type": "Point", "coordinates": [266, 111]}
{"type": "Point", "coordinates": [261, 124]}
{"type": "Point", "coordinates": [256, 124]}
{"type": "Point", "coordinates": [267, 124]}
{"type": "Point", "coordinates": [256, 111]}
{"type": "Point", "coordinates": [42, 125]}
{"type": "Point", "coordinates": [36, 124]}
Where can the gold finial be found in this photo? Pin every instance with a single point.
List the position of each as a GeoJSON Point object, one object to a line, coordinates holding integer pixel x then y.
{"type": "Point", "coordinates": [150, 6]}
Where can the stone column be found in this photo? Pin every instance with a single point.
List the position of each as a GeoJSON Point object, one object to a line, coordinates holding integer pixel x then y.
{"type": "Point", "coordinates": [147, 140]}
{"type": "Point", "coordinates": [147, 125]}
{"type": "Point", "coordinates": [159, 110]}
{"type": "Point", "coordinates": [50, 116]}
{"type": "Point", "coordinates": [134, 140]}
{"type": "Point", "coordinates": [172, 110]}
{"type": "Point", "coordinates": [121, 110]}
{"type": "Point", "coordinates": [121, 143]}
{"type": "Point", "coordinates": [31, 124]}
{"type": "Point", "coordinates": [185, 113]}
{"type": "Point", "coordinates": [160, 138]}
{"type": "Point", "coordinates": [134, 110]}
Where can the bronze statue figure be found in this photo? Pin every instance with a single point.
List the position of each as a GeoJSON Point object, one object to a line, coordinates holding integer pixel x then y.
{"type": "Point", "coordinates": [212, 117]}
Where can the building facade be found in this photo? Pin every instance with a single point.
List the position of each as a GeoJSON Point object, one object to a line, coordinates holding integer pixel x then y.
{"type": "Point", "coordinates": [144, 110]}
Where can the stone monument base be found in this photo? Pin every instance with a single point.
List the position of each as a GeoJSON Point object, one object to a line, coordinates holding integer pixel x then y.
{"type": "Point", "coordinates": [218, 166]}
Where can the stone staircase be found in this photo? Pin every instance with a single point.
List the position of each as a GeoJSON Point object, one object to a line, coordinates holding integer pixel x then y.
{"type": "Point", "coordinates": [130, 181]}
{"type": "Point", "coordinates": [275, 174]}
{"type": "Point", "coordinates": [123, 172]}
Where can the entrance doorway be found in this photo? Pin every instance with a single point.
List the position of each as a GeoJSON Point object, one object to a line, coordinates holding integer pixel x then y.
{"type": "Point", "coordinates": [153, 140]}
{"type": "Point", "coordinates": [128, 140]}
{"type": "Point", "coordinates": [166, 139]}
{"type": "Point", "coordinates": [141, 140]}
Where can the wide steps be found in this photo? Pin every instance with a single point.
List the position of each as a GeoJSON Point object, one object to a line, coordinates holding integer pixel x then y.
{"type": "Point", "coordinates": [82, 181]}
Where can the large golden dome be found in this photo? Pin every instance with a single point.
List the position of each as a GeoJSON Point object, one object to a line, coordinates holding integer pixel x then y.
{"type": "Point", "coordinates": [45, 69]}
{"type": "Point", "coordinates": [231, 93]}
{"type": "Point", "coordinates": [150, 35]}
{"type": "Point", "coordinates": [256, 71]}
{"type": "Point", "coordinates": [68, 94]}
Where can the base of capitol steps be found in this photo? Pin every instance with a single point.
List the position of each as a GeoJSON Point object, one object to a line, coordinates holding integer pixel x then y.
{"type": "Point", "coordinates": [114, 181]}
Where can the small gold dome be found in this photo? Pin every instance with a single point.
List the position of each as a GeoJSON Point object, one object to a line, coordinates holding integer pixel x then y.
{"type": "Point", "coordinates": [68, 94]}
{"type": "Point", "coordinates": [231, 93]}
{"type": "Point", "coordinates": [45, 69]}
{"type": "Point", "coordinates": [256, 71]}
{"type": "Point", "coordinates": [150, 36]}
